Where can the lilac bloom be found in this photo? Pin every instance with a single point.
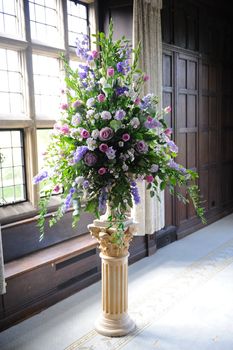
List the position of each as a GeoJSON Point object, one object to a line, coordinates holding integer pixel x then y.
{"type": "Point", "coordinates": [103, 200]}
{"type": "Point", "coordinates": [79, 153]}
{"type": "Point", "coordinates": [121, 90]}
{"type": "Point", "coordinates": [134, 192]}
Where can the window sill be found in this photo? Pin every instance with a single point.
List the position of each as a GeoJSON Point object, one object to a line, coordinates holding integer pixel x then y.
{"type": "Point", "coordinates": [23, 211]}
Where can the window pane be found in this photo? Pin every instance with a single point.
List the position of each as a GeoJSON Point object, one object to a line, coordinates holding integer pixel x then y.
{"type": "Point", "coordinates": [9, 17]}
{"type": "Point", "coordinates": [77, 21]}
{"type": "Point", "coordinates": [47, 85]}
{"type": "Point", "coordinates": [44, 21]}
{"type": "Point", "coordinates": [12, 171]}
{"type": "Point", "coordinates": [11, 87]}
{"type": "Point", "coordinates": [43, 136]}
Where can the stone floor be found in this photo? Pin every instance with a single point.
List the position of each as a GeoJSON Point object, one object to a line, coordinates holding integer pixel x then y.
{"type": "Point", "coordinates": [181, 298]}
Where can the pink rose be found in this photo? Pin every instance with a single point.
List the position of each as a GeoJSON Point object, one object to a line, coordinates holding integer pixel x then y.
{"type": "Point", "coordinates": [137, 101]}
{"type": "Point", "coordinates": [101, 97]}
{"type": "Point", "coordinates": [167, 109]}
{"type": "Point", "coordinates": [102, 171]}
{"type": "Point", "coordinates": [94, 54]}
{"type": "Point", "coordinates": [85, 134]}
{"type": "Point", "coordinates": [64, 129]}
{"type": "Point", "coordinates": [105, 134]}
{"type": "Point", "coordinates": [110, 71]}
{"type": "Point", "coordinates": [168, 131]}
{"type": "Point", "coordinates": [125, 137]}
{"type": "Point", "coordinates": [149, 178]}
{"type": "Point", "coordinates": [56, 188]}
{"type": "Point", "coordinates": [103, 147]}
{"type": "Point", "coordinates": [146, 77]}
{"type": "Point", "coordinates": [64, 106]}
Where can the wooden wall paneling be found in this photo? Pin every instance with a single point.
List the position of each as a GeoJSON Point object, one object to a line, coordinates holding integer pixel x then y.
{"type": "Point", "coordinates": [168, 100]}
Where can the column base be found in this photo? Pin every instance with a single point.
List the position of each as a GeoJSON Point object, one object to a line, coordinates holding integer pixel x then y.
{"type": "Point", "coordinates": [115, 327]}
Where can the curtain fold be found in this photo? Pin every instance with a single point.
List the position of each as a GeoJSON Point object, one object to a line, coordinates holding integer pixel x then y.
{"type": "Point", "coordinates": [147, 30]}
{"type": "Point", "coordinates": [2, 276]}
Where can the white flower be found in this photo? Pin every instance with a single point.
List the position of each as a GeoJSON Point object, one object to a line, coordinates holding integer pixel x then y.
{"type": "Point", "coordinates": [91, 144]}
{"type": "Point", "coordinates": [135, 122]}
{"type": "Point", "coordinates": [95, 134]}
{"type": "Point", "coordinates": [154, 168]}
{"type": "Point", "coordinates": [103, 81]}
{"type": "Point", "coordinates": [125, 167]}
{"type": "Point", "coordinates": [121, 143]}
{"type": "Point", "coordinates": [106, 115]}
{"type": "Point", "coordinates": [76, 119]}
{"type": "Point", "coordinates": [90, 102]}
{"type": "Point", "coordinates": [79, 180]}
{"type": "Point", "coordinates": [90, 112]}
{"type": "Point", "coordinates": [96, 116]}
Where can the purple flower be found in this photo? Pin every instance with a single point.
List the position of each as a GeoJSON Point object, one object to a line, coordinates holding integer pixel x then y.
{"type": "Point", "coordinates": [121, 90]}
{"type": "Point", "coordinates": [120, 67]}
{"type": "Point", "coordinates": [101, 97]}
{"type": "Point", "coordinates": [85, 184]}
{"type": "Point", "coordinates": [111, 153]}
{"type": "Point", "coordinates": [152, 123]}
{"type": "Point", "coordinates": [64, 129]}
{"type": "Point", "coordinates": [82, 49]}
{"type": "Point", "coordinates": [79, 153]}
{"type": "Point", "coordinates": [90, 159]}
{"type": "Point", "coordinates": [84, 67]}
{"type": "Point", "coordinates": [173, 165]}
{"type": "Point", "coordinates": [64, 106]}
{"type": "Point", "coordinates": [76, 119]}
{"type": "Point", "coordinates": [105, 134]}
{"type": "Point", "coordinates": [141, 147]}
{"type": "Point", "coordinates": [43, 174]}
{"type": "Point", "coordinates": [134, 192]}
{"type": "Point", "coordinates": [68, 199]}
{"type": "Point", "coordinates": [76, 103]}
{"type": "Point", "coordinates": [95, 54]}
{"type": "Point", "coordinates": [172, 146]}
{"type": "Point", "coordinates": [90, 102]}
{"type": "Point", "coordinates": [82, 75]}
{"type": "Point", "coordinates": [120, 114]}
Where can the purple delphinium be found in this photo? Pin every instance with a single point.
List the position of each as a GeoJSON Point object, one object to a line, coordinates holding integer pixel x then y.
{"type": "Point", "coordinates": [103, 200]}
{"type": "Point", "coordinates": [43, 174]}
{"type": "Point", "coordinates": [173, 165]}
{"type": "Point", "coordinates": [79, 153]}
{"type": "Point", "coordinates": [82, 75]}
{"type": "Point", "coordinates": [121, 90]}
{"type": "Point", "coordinates": [84, 67]}
{"type": "Point", "coordinates": [172, 146]}
{"type": "Point", "coordinates": [152, 123]}
{"type": "Point", "coordinates": [134, 192]}
{"type": "Point", "coordinates": [68, 199]}
{"type": "Point", "coordinates": [82, 48]}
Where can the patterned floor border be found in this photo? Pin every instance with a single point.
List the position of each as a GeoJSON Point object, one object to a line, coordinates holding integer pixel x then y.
{"type": "Point", "coordinates": [168, 295]}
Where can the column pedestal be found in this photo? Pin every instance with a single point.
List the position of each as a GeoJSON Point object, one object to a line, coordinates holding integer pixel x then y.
{"type": "Point", "coordinates": [114, 320]}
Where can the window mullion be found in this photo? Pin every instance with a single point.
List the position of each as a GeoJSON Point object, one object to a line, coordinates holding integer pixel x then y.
{"type": "Point", "coordinates": [30, 132]}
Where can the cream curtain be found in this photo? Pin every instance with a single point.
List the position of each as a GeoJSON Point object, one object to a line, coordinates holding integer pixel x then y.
{"type": "Point", "coordinates": [147, 30]}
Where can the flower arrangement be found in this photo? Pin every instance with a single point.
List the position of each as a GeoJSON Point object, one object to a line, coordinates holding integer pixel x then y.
{"type": "Point", "coordinates": [108, 137]}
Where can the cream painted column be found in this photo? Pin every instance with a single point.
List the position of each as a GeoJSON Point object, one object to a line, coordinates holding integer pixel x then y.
{"type": "Point", "coordinates": [147, 30]}
{"type": "Point", "coordinates": [114, 320]}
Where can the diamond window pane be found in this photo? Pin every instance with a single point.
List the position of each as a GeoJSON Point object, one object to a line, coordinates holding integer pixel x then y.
{"type": "Point", "coordinates": [47, 82]}
{"type": "Point", "coordinates": [77, 21]}
{"type": "Point", "coordinates": [11, 87]}
{"type": "Point", "coordinates": [44, 20]}
{"type": "Point", "coordinates": [9, 17]}
{"type": "Point", "coordinates": [12, 171]}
